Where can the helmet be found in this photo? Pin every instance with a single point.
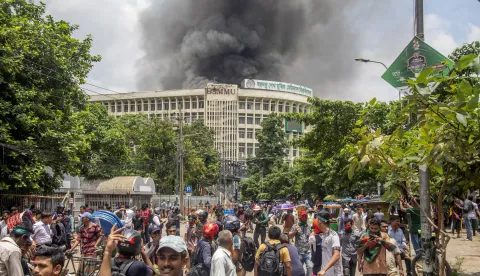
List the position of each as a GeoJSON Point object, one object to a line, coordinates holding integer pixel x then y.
{"type": "Point", "coordinates": [201, 213]}
{"type": "Point", "coordinates": [157, 210]}
{"type": "Point", "coordinates": [240, 206]}
{"type": "Point", "coordinates": [132, 244]}
{"type": "Point", "coordinates": [154, 228]}
{"type": "Point", "coordinates": [210, 230]}
{"type": "Point", "coordinates": [176, 209]}
{"type": "Point", "coordinates": [60, 206]}
{"type": "Point", "coordinates": [257, 208]}
{"type": "Point", "coordinates": [232, 223]}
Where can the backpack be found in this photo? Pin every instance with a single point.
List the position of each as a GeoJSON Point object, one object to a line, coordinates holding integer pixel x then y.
{"type": "Point", "coordinates": [196, 268]}
{"type": "Point", "coordinates": [248, 260]}
{"type": "Point", "coordinates": [122, 270]}
{"type": "Point", "coordinates": [269, 263]}
{"type": "Point", "coordinates": [59, 235]}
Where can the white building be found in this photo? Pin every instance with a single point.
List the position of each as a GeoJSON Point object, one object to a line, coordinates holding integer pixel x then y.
{"type": "Point", "coordinates": [233, 113]}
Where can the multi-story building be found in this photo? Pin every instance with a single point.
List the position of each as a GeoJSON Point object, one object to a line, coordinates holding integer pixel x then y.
{"type": "Point", "coordinates": [233, 113]}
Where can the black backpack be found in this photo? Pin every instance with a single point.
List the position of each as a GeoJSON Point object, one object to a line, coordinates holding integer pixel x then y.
{"type": "Point", "coordinates": [248, 260]}
{"type": "Point", "coordinates": [59, 235]}
{"type": "Point", "coordinates": [269, 263]}
{"type": "Point", "coordinates": [122, 270]}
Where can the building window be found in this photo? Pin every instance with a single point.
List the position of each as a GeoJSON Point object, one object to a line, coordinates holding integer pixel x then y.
{"type": "Point", "coordinates": [257, 121]}
{"type": "Point", "coordinates": [187, 105]}
{"type": "Point", "coordinates": [257, 106]}
{"type": "Point", "coordinates": [241, 120]}
{"type": "Point", "coordinates": [139, 107]}
{"type": "Point", "coordinates": [280, 108]}
{"type": "Point", "coordinates": [250, 120]}
{"type": "Point", "coordinates": [200, 104]}
{"type": "Point", "coordinates": [159, 106]}
{"type": "Point", "coordinates": [125, 107]}
{"type": "Point", "coordinates": [249, 149]}
{"type": "Point", "coordinates": [132, 107]}
{"type": "Point", "coordinates": [194, 105]}
{"type": "Point", "coordinates": [272, 107]}
{"type": "Point", "coordinates": [241, 105]}
{"type": "Point", "coordinates": [294, 108]}
{"type": "Point", "coordinates": [249, 105]}
{"type": "Point", "coordinates": [174, 106]}
{"type": "Point", "coordinates": [250, 133]}
{"type": "Point", "coordinates": [241, 150]}
{"type": "Point", "coordinates": [265, 107]}
{"type": "Point", "coordinates": [112, 108]}
{"type": "Point", "coordinates": [145, 107]}
{"type": "Point", "coordinates": [152, 107]}
{"type": "Point", "coordinates": [241, 133]}
{"type": "Point", "coordinates": [165, 106]}
{"type": "Point", "coordinates": [294, 153]}
{"type": "Point", "coordinates": [257, 149]}
{"type": "Point", "coordinates": [287, 108]}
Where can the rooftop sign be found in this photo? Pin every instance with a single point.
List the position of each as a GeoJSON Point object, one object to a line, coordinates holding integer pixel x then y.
{"type": "Point", "coordinates": [277, 86]}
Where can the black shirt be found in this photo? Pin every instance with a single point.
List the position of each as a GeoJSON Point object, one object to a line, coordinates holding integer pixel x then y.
{"type": "Point", "coordinates": [136, 269]}
{"type": "Point", "coordinates": [137, 223]}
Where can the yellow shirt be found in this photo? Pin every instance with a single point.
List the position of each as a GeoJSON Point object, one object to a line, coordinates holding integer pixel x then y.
{"type": "Point", "coordinates": [284, 255]}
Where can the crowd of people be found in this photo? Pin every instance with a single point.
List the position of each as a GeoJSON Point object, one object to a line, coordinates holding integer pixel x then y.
{"type": "Point", "coordinates": [300, 241]}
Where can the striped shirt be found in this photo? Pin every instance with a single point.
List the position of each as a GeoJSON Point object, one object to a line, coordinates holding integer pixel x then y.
{"type": "Point", "coordinates": [88, 236]}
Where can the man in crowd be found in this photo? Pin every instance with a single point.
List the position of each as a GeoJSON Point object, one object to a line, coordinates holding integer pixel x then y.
{"type": "Point", "coordinates": [393, 257]}
{"type": "Point", "coordinates": [3, 224]}
{"type": "Point", "coordinates": [175, 217]}
{"type": "Point", "coordinates": [88, 235]}
{"type": "Point", "coordinates": [222, 264]}
{"type": "Point", "coordinates": [42, 234]}
{"type": "Point", "coordinates": [79, 224]}
{"type": "Point", "coordinates": [346, 215]}
{"type": "Point", "coordinates": [288, 221]}
{"type": "Point", "coordinates": [152, 247]}
{"type": "Point", "coordinates": [469, 214]}
{"type": "Point", "coordinates": [260, 219]}
{"type": "Point", "coordinates": [146, 215]}
{"type": "Point", "coordinates": [297, 266]}
{"type": "Point", "coordinates": [243, 217]}
{"type": "Point", "coordinates": [348, 242]}
{"type": "Point", "coordinates": [274, 233]}
{"type": "Point", "coordinates": [201, 221]}
{"type": "Point", "coordinates": [10, 252]}
{"type": "Point", "coordinates": [172, 254]}
{"type": "Point", "coordinates": [396, 233]}
{"type": "Point", "coordinates": [301, 232]}
{"type": "Point", "coordinates": [233, 224]}
{"type": "Point", "coordinates": [371, 250]}
{"type": "Point", "coordinates": [379, 214]}
{"type": "Point", "coordinates": [358, 221]}
{"type": "Point", "coordinates": [415, 223]}
{"type": "Point", "coordinates": [205, 250]}
{"type": "Point", "coordinates": [191, 234]}
{"type": "Point", "coordinates": [137, 222]}
{"type": "Point", "coordinates": [49, 261]}
{"type": "Point", "coordinates": [331, 264]}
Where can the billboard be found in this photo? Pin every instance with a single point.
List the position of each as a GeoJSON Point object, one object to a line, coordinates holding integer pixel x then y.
{"type": "Point", "coordinates": [412, 60]}
{"type": "Point", "coordinates": [277, 86]}
{"type": "Point", "coordinates": [293, 126]}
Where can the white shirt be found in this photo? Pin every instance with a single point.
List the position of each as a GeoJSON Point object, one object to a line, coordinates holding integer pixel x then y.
{"type": "Point", "coordinates": [10, 256]}
{"type": "Point", "coordinates": [473, 214]}
{"type": "Point", "coordinates": [129, 214]}
{"type": "Point", "coordinates": [42, 234]}
{"type": "Point", "coordinates": [3, 229]}
{"type": "Point", "coordinates": [222, 264]}
{"type": "Point", "coordinates": [358, 223]}
{"type": "Point", "coordinates": [331, 242]}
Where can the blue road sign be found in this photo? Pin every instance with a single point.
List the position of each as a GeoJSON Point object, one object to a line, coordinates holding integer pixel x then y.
{"type": "Point", "coordinates": [188, 189]}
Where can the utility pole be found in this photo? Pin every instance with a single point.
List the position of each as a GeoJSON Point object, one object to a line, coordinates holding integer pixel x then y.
{"type": "Point", "coordinates": [180, 164]}
{"type": "Point", "coordinates": [424, 176]}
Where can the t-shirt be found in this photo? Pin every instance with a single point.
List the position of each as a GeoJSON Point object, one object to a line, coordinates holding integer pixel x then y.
{"type": "Point", "coordinates": [330, 243]}
{"type": "Point", "coordinates": [284, 254]}
{"type": "Point", "coordinates": [88, 237]}
{"type": "Point", "coordinates": [301, 238]}
{"type": "Point", "coordinates": [146, 216]}
{"type": "Point", "coordinates": [137, 223]}
{"type": "Point", "coordinates": [473, 213]}
{"type": "Point", "coordinates": [415, 223]}
{"type": "Point", "coordinates": [379, 215]}
{"type": "Point", "coordinates": [297, 266]}
{"type": "Point", "coordinates": [192, 239]}
{"type": "Point", "coordinates": [348, 243]}
{"type": "Point", "coordinates": [136, 269]}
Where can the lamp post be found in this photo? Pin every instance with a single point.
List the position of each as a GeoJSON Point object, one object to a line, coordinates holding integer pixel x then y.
{"type": "Point", "coordinates": [374, 61]}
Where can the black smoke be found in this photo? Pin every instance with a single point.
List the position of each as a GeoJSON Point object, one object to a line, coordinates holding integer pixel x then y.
{"type": "Point", "coordinates": [188, 43]}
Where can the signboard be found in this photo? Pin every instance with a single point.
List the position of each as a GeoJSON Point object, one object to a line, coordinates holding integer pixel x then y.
{"type": "Point", "coordinates": [412, 60]}
{"type": "Point", "coordinates": [277, 86]}
{"type": "Point", "coordinates": [228, 212]}
{"type": "Point", "coordinates": [293, 126]}
{"type": "Point", "coordinates": [188, 189]}
{"type": "Point", "coordinates": [221, 91]}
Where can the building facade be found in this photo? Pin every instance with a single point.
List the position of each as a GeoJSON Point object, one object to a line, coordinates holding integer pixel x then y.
{"type": "Point", "coordinates": [234, 113]}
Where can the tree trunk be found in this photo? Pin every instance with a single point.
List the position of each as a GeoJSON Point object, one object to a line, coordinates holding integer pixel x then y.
{"type": "Point", "coordinates": [440, 240]}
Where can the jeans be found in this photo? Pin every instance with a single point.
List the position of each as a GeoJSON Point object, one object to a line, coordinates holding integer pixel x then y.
{"type": "Point", "coordinates": [68, 245]}
{"type": "Point", "coordinates": [468, 226]}
{"type": "Point", "coordinates": [349, 267]}
{"type": "Point", "coordinates": [415, 239]}
{"type": "Point", "coordinates": [259, 231]}
{"type": "Point", "coordinates": [306, 259]}
{"type": "Point", "coordinates": [145, 235]}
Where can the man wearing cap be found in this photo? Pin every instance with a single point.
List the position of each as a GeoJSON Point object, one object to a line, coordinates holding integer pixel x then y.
{"type": "Point", "coordinates": [88, 235]}
{"type": "Point", "coordinates": [301, 232]}
{"type": "Point", "coordinates": [331, 264]}
{"type": "Point", "coordinates": [172, 254]}
{"type": "Point", "coordinates": [260, 219]}
{"type": "Point", "coordinates": [346, 215]}
{"type": "Point", "coordinates": [10, 252]}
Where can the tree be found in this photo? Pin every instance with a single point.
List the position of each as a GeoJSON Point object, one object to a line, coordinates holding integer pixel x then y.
{"type": "Point", "coordinates": [41, 69]}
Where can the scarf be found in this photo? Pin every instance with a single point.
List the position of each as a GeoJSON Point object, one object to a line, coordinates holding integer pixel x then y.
{"type": "Point", "coordinates": [372, 251]}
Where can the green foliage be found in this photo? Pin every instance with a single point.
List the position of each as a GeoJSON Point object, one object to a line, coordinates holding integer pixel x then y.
{"type": "Point", "coordinates": [41, 68]}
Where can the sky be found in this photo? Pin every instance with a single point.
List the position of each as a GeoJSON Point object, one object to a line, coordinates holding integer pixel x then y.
{"type": "Point", "coordinates": [380, 30]}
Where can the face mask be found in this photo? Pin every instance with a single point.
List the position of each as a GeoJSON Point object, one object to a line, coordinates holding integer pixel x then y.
{"type": "Point", "coordinates": [348, 228]}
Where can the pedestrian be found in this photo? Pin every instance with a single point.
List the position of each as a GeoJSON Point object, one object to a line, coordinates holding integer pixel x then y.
{"type": "Point", "coordinates": [222, 264]}
{"type": "Point", "coordinates": [345, 216]}
{"type": "Point", "coordinates": [457, 216]}
{"type": "Point", "coordinates": [469, 215]}
{"type": "Point", "coordinates": [234, 225]}
{"type": "Point", "coordinates": [348, 242]}
{"type": "Point", "coordinates": [175, 218]}
{"type": "Point", "coordinates": [146, 215]}
{"type": "Point", "coordinates": [297, 266]}
{"type": "Point", "coordinates": [288, 221]}
{"type": "Point", "coordinates": [301, 232]}
{"type": "Point", "coordinates": [379, 214]}
{"type": "Point", "coordinates": [264, 258]}
{"type": "Point", "coordinates": [191, 234]}
{"type": "Point", "coordinates": [393, 257]}
{"type": "Point", "coordinates": [49, 261]}
{"type": "Point", "coordinates": [3, 224]}
{"type": "Point", "coordinates": [358, 221]}
{"type": "Point", "coordinates": [172, 254]}
{"type": "Point", "coordinates": [42, 234]}
{"type": "Point", "coordinates": [201, 221]}
{"type": "Point", "coordinates": [396, 233]}
{"type": "Point", "coordinates": [10, 249]}
{"type": "Point", "coordinates": [260, 219]}
{"type": "Point", "coordinates": [331, 263]}
{"type": "Point", "coordinates": [204, 251]}
{"type": "Point", "coordinates": [244, 218]}
{"type": "Point", "coordinates": [415, 224]}
{"type": "Point", "coordinates": [371, 250]}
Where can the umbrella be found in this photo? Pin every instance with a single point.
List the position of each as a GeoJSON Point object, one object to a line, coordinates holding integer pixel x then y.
{"type": "Point", "coordinates": [347, 199]}
{"type": "Point", "coordinates": [286, 206]}
{"type": "Point", "coordinates": [330, 198]}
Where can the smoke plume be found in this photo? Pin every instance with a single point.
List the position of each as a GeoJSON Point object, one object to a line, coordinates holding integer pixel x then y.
{"type": "Point", "coordinates": [188, 43]}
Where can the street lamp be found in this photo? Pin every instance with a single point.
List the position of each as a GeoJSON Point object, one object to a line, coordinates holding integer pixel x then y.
{"type": "Point", "coordinates": [373, 61]}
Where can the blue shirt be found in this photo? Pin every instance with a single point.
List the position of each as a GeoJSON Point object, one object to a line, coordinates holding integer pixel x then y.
{"type": "Point", "coordinates": [297, 267]}
{"type": "Point", "coordinates": [204, 253]}
{"type": "Point", "coordinates": [398, 236]}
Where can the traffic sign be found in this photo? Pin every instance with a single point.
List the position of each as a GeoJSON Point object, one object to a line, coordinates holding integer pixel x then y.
{"type": "Point", "coordinates": [188, 189]}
